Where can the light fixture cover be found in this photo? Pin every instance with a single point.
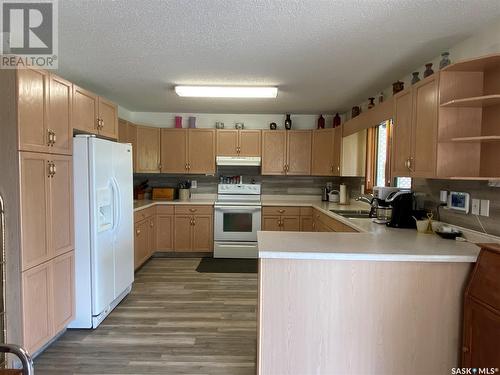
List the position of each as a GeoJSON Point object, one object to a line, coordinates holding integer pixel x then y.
{"type": "Point", "coordinates": [227, 91]}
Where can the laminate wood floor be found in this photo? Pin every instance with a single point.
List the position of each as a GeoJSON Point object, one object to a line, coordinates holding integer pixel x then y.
{"type": "Point", "coordinates": [175, 321]}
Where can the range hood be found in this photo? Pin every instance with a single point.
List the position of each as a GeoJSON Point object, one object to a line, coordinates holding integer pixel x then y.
{"type": "Point", "coordinates": [241, 161]}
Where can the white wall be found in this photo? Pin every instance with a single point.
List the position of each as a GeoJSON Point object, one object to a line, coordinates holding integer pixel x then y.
{"type": "Point", "coordinates": [208, 120]}
{"type": "Point", "coordinates": [484, 42]}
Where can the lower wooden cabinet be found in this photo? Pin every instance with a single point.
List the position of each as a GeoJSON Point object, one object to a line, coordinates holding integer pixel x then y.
{"type": "Point", "coordinates": [142, 248]}
{"type": "Point", "coordinates": [281, 219]}
{"type": "Point", "coordinates": [325, 223]}
{"type": "Point", "coordinates": [481, 329]}
{"type": "Point", "coordinates": [303, 219]}
{"type": "Point", "coordinates": [48, 300]}
{"type": "Point", "coordinates": [181, 228]}
{"type": "Point", "coordinates": [193, 228]}
{"type": "Point", "coordinates": [165, 231]}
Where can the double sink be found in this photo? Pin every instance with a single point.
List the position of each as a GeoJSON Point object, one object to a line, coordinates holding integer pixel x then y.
{"type": "Point", "coordinates": [353, 214]}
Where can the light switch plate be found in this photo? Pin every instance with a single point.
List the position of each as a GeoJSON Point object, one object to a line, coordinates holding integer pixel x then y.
{"type": "Point", "coordinates": [476, 205]}
{"type": "Point", "coordinates": [194, 184]}
{"type": "Point", "coordinates": [485, 207]}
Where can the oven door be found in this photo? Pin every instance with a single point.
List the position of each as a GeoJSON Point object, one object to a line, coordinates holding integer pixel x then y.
{"type": "Point", "coordinates": [237, 223]}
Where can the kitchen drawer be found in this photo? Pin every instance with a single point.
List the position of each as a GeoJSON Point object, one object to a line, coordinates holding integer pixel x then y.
{"type": "Point", "coordinates": [280, 210]}
{"type": "Point", "coordinates": [144, 213]}
{"type": "Point", "coordinates": [194, 210]}
{"type": "Point", "coordinates": [164, 210]}
{"type": "Point", "coordinates": [306, 211]}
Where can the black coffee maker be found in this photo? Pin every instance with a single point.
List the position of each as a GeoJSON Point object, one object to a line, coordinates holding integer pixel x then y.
{"type": "Point", "coordinates": [403, 207]}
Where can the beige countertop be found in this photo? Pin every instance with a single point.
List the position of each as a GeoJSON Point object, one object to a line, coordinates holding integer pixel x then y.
{"type": "Point", "coordinates": [373, 242]}
{"type": "Point", "coordinates": [197, 199]}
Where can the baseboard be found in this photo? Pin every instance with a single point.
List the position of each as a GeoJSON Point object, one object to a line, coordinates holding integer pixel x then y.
{"type": "Point", "coordinates": [176, 254]}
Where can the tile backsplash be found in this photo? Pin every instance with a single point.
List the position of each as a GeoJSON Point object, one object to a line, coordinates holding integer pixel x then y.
{"type": "Point", "coordinates": [477, 189]}
{"type": "Point", "coordinates": [277, 185]}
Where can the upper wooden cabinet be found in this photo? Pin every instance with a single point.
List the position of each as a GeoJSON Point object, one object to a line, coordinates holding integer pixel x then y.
{"type": "Point", "coordinates": [232, 142]}
{"type": "Point", "coordinates": [174, 152]}
{"type": "Point", "coordinates": [32, 102]}
{"type": "Point", "coordinates": [60, 123]}
{"type": "Point", "coordinates": [286, 152]}
{"type": "Point", "coordinates": [402, 133]}
{"type": "Point", "coordinates": [94, 114]}
{"type": "Point", "coordinates": [299, 143]}
{"type": "Point", "coordinates": [108, 118]}
{"type": "Point", "coordinates": [188, 151]}
{"type": "Point", "coordinates": [46, 207]}
{"type": "Point", "coordinates": [44, 111]}
{"type": "Point", "coordinates": [85, 110]}
{"type": "Point", "coordinates": [326, 150]}
{"type": "Point", "coordinates": [148, 150]}
{"type": "Point", "coordinates": [274, 152]}
{"type": "Point", "coordinates": [469, 119]}
{"type": "Point", "coordinates": [354, 155]}
{"type": "Point", "coordinates": [415, 129]}
{"type": "Point", "coordinates": [127, 133]}
{"type": "Point", "coordinates": [201, 151]}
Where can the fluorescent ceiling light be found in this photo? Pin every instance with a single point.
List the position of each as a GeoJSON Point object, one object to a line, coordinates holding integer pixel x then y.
{"type": "Point", "coordinates": [227, 91]}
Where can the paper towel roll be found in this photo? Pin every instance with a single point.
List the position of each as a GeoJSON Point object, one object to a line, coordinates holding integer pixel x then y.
{"type": "Point", "coordinates": [343, 194]}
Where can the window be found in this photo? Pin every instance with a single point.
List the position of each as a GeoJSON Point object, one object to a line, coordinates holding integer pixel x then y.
{"type": "Point", "coordinates": [378, 155]}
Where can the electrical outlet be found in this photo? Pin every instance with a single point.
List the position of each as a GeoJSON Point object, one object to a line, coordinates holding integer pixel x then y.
{"type": "Point", "coordinates": [485, 207]}
{"type": "Point", "coordinates": [194, 184]}
{"type": "Point", "coordinates": [476, 206]}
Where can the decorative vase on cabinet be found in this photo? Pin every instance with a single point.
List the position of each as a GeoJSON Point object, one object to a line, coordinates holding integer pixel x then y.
{"type": "Point", "coordinates": [371, 103]}
{"type": "Point", "coordinates": [397, 87]}
{"type": "Point", "coordinates": [428, 70]}
{"type": "Point", "coordinates": [288, 122]}
{"type": "Point", "coordinates": [415, 78]}
{"type": "Point", "coordinates": [321, 122]}
{"type": "Point", "coordinates": [445, 61]}
{"type": "Point", "coordinates": [336, 120]}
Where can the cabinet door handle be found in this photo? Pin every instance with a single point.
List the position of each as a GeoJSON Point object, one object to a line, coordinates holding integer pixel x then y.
{"type": "Point", "coordinates": [137, 232]}
{"type": "Point", "coordinates": [49, 169]}
{"type": "Point", "coordinates": [194, 222]}
{"type": "Point", "coordinates": [159, 165]}
{"type": "Point", "coordinates": [192, 210]}
{"type": "Point", "coordinates": [189, 166]}
{"type": "Point", "coordinates": [98, 123]}
{"type": "Point", "coordinates": [54, 170]}
{"type": "Point", "coordinates": [281, 211]}
{"type": "Point", "coordinates": [51, 138]}
{"type": "Point", "coordinates": [279, 223]}
{"type": "Point", "coordinates": [151, 224]}
{"type": "Point", "coordinates": [185, 166]}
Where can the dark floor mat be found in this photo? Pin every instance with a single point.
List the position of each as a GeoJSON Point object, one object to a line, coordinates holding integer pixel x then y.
{"type": "Point", "coordinates": [214, 265]}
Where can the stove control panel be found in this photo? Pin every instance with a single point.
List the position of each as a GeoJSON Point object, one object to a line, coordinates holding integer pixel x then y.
{"type": "Point", "coordinates": [253, 189]}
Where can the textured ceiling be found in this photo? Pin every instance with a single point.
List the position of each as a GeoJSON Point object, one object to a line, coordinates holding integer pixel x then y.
{"type": "Point", "coordinates": [324, 55]}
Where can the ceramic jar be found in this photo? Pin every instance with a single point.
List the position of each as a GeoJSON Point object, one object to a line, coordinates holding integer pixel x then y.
{"type": "Point", "coordinates": [428, 70]}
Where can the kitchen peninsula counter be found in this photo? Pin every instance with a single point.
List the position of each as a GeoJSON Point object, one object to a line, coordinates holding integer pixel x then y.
{"type": "Point", "coordinates": [381, 301]}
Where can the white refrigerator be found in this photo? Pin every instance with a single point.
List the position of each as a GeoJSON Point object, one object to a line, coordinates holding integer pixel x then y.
{"type": "Point", "coordinates": [104, 242]}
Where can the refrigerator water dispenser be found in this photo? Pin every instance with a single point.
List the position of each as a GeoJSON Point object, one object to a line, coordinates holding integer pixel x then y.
{"type": "Point", "coordinates": [104, 209]}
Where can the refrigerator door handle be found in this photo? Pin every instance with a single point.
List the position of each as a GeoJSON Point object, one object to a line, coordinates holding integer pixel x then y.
{"type": "Point", "coordinates": [116, 203]}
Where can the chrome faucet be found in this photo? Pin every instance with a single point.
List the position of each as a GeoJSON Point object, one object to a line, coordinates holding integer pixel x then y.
{"type": "Point", "coordinates": [364, 198]}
